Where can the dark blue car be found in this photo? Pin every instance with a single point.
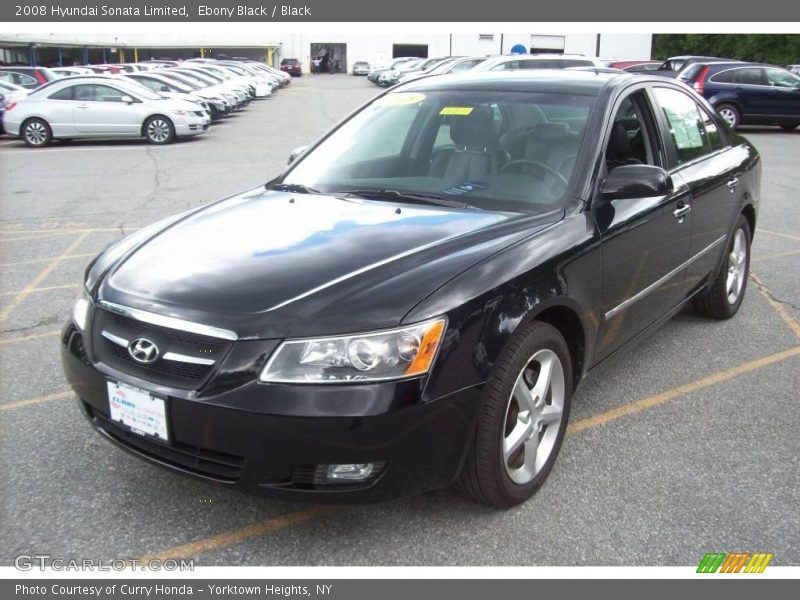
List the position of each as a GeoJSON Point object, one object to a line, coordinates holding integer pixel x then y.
{"type": "Point", "coordinates": [747, 93]}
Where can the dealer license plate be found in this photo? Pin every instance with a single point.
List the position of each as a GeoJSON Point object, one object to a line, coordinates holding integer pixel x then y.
{"type": "Point", "coordinates": [138, 410]}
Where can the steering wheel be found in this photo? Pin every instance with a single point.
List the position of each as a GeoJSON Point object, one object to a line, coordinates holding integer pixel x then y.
{"type": "Point", "coordinates": [534, 163]}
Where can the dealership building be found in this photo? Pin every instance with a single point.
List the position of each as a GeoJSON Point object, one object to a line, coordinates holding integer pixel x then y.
{"type": "Point", "coordinates": [376, 48]}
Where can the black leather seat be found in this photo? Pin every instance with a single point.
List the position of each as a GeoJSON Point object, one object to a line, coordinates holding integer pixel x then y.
{"type": "Point", "coordinates": [620, 151]}
{"type": "Point", "coordinates": [474, 157]}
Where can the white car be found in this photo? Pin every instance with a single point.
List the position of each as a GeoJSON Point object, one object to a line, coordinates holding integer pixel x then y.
{"type": "Point", "coordinates": [12, 91]}
{"type": "Point", "coordinates": [101, 107]}
{"type": "Point", "coordinates": [538, 61]}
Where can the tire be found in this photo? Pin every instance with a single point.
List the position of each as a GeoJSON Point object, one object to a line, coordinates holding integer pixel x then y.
{"type": "Point", "coordinates": [790, 126]}
{"type": "Point", "coordinates": [36, 133]}
{"type": "Point", "coordinates": [730, 114]}
{"type": "Point", "coordinates": [494, 473]}
{"type": "Point", "coordinates": [158, 130]}
{"type": "Point", "coordinates": [725, 296]}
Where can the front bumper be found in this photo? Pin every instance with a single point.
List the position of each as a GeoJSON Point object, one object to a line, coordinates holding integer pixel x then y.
{"type": "Point", "coordinates": [193, 125]}
{"type": "Point", "coordinates": [272, 439]}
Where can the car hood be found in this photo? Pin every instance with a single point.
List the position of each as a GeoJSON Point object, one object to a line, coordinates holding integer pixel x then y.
{"type": "Point", "coordinates": [273, 264]}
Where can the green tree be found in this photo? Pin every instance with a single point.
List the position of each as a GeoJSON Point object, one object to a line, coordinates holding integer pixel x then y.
{"type": "Point", "coordinates": [779, 48]}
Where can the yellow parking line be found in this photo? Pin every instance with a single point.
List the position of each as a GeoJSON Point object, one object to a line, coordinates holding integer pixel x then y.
{"type": "Point", "coordinates": [36, 237]}
{"type": "Point", "coordinates": [34, 261]}
{"type": "Point", "coordinates": [688, 388]}
{"type": "Point", "coordinates": [19, 298]}
{"type": "Point", "coordinates": [37, 400]}
{"type": "Point", "coordinates": [779, 234]}
{"type": "Point", "coordinates": [776, 306]}
{"type": "Point", "coordinates": [223, 540]}
{"type": "Point", "coordinates": [25, 338]}
{"type": "Point", "coordinates": [46, 289]}
{"type": "Point", "coordinates": [55, 230]}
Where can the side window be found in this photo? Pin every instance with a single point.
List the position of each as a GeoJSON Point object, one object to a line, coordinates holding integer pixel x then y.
{"type": "Point", "coordinates": [711, 131]}
{"type": "Point", "coordinates": [150, 83]}
{"type": "Point", "coordinates": [728, 76]}
{"type": "Point", "coordinates": [631, 139]}
{"type": "Point", "coordinates": [783, 79]}
{"type": "Point", "coordinates": [685, 124]}
{"type": "Point", "coordinates": [750, 76]}
{"type": "Point", "coordinates": [98, 93]}
{"type": "Point", "coordinates": [65, 94]}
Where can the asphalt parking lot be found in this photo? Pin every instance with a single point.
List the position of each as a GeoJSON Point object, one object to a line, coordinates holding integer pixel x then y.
{"type": "Point", "coordinates": [685, 446]}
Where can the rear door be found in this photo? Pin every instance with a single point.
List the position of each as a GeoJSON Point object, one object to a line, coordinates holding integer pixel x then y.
{"type": "Point", "coordinates": [59, 112]}
{"type": "Point", "coordinates": [699, 154]}
{"type": "Point", "coordinates": [785, 92]}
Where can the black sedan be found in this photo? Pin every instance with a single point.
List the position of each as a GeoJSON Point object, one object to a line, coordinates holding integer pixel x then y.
{"type": "Point", "coordinates": [414, 300]}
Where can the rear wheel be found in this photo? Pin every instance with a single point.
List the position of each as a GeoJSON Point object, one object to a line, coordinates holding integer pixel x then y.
{"type": "Point", "coordinates": [724, 298]}
{"type": "Point", "coordinates": [730, 114]}
{"type": "Point", "coordinates": [159, 130]}
{"type": "Point", "coordinates": [522, 420]}
{"type": "Point", "coordinates": [36, 133]}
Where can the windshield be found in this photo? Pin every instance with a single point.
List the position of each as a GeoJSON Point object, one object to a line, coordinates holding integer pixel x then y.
{"type": "Point", "coordinates": [493, 150]}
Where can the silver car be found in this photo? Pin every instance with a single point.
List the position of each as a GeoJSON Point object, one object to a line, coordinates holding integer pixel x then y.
{"type": "Point", "coordinates": [100, 107]}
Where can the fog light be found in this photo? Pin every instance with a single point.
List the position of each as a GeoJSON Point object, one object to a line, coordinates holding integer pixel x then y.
{"type": "Point", "coordinates": [356, 472]}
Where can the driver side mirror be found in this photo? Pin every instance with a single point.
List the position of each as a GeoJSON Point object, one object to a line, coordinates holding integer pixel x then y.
{"type": "Point", "coordinates": [636, 181]}
{"type": "Point", "coordinates": [127, 99]}
{"type": "Point", "coordinates": [295, 153]}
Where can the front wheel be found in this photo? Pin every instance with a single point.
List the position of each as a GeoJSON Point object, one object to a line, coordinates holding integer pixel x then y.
{"type": "Point", "coordinates": [522, 421]}
{"type": "Point", "coordinates": [158, 130]}
{"type": "Point", "coordinates": [725, 296]}
{"type": "Point", "coordinates": [37, 133]}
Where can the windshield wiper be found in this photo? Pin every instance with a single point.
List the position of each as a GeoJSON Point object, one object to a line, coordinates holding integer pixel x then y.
{"type": "Point", "coordinates": [378, 194]}
{"type": "Point", "coordinates": [297, 188]}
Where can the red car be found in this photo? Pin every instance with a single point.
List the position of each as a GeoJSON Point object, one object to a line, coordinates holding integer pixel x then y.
{"type": "Point", "coordinates": [292, 67]}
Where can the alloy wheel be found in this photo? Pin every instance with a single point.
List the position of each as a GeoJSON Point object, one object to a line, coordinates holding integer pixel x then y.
{"type": "Point", "coordinates": [737, 263]}
{"type": "Point", "coordinates": [729, 115]}
{"type": "Point", "coordinates": [158, 130]}
{"type": "Point", "coordinates": [533, 416]}
{"type": "Point", "coordinates": [36, 133]}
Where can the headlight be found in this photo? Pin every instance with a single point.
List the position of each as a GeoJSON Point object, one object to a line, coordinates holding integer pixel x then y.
{"type": "Point", "coordinates": [80, 312]}
{"type": "Point", "coordinates": [394, 354]}
{"type": "Point", "coordinates": [182, 113]}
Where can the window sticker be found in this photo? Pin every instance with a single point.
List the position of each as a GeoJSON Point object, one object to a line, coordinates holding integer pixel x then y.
{"type": "Point", "coordinates": [456, 110]}
{"type": "Point", "coordinates": [400, 99]}
{"type": "Point", "coordinates": [684, 129]}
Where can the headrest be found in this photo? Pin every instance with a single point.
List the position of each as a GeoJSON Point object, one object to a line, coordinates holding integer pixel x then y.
{"type": "Point", "coordinates": [475, 130]}
{"type": "Point", "coordinates": [619, 144]}
{"type": "Point", "coordinates": [550, 133]}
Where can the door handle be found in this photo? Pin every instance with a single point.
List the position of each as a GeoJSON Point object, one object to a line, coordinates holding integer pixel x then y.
{"type": "Point", "coordinates": [82, 106]}
{"type": "Point", "coordinates": [681, 212]}
{"type": "Point", "coordinates": [732, 183]}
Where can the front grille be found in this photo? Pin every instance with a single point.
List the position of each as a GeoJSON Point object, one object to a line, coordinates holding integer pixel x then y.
{"type": "Point", "coordinates": [201, 461]}
{"type": "Point", "coordinates": [174, 373]}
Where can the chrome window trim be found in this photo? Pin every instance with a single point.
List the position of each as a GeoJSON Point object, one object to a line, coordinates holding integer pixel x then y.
{"type": "Point", "coordinates": [658, 283]}
{"type": "Point", "coordinates": [168, 322]}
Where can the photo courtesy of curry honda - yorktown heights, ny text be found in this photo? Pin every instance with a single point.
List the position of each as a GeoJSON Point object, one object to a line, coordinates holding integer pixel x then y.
{"type": "Point", "coordinates": [413, 301]}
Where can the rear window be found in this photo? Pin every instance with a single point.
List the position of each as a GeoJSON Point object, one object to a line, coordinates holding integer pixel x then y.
{"type": "Point", "coordinates": [289, 61]}
{"type": "Point", "coordinates": [691, 72]}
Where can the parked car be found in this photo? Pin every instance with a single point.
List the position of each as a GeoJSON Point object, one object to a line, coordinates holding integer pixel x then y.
{"type": "Point", "coordinates": [204, 89]}
{"type": "Point", "coordinates": [376, 70]}
{"type": "Point", "coordinates": [674, 65]}
{"type": "Point", "coordinates": [292, 66]}
{"type": "Point", "coordinates": [360, 67]}
{"type": "Point", "coordinates": [537, 61]}
{"type": "Point", "coordinates": [747, 93]}
{"type": "Point", "coordinates": [794, 69]}
{"type": "Point", "coordinates": [170, 89]}
{"type": "Point", "coordinates": [636, 66]}
{"type": "Point", "coordinates": [12, 91]}
{"type": "Point", "coordinates": [414, 300]}
{"type": "Point", "coordinates": [456, 65]}
{"type": "Point", "coordinates": [390, 77]}
{"type": "Point", "coordinates": [3, 102]}
{"type": "Point", "coordinates": [92, 107]}
{"type": "Point", "coordinates": [28, 77]}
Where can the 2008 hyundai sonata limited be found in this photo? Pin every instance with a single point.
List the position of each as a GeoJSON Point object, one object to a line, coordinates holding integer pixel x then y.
{"type": "Point", "coordinates": [414, 300]}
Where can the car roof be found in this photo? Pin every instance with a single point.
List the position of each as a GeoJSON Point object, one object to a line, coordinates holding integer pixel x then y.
{"type": "Point", "coordinates": [587, 83]}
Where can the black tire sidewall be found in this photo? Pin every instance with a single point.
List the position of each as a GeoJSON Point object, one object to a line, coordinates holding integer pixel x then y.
{"type": "Point", "coordinates": [540, 336]}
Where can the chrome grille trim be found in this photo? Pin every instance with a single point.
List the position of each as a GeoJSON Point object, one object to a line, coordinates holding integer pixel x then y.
{"type": "Point", "coordinates": [194, 360]}
{"type": "Point", "coordinates": [168, 322]}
